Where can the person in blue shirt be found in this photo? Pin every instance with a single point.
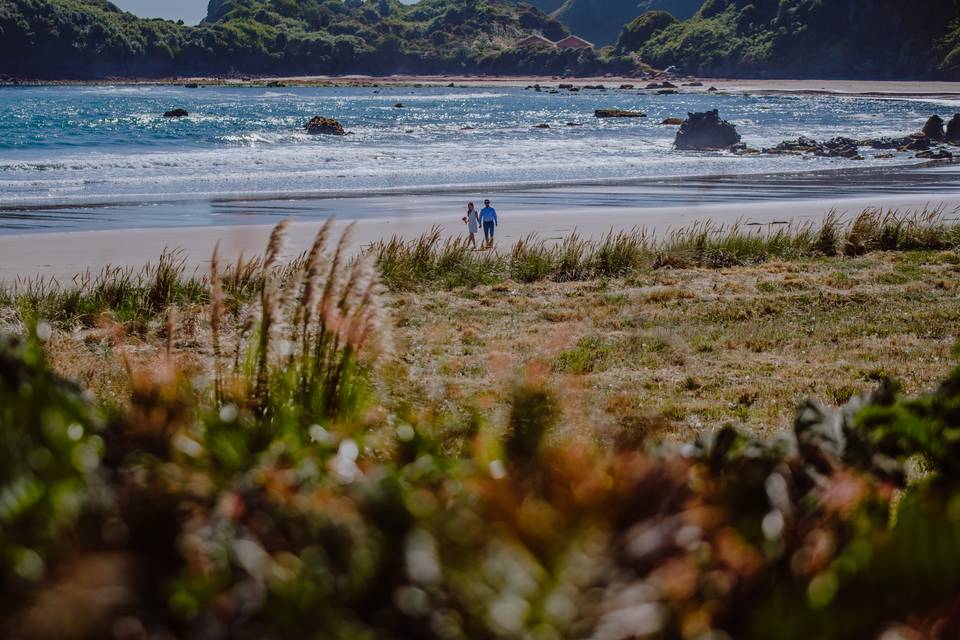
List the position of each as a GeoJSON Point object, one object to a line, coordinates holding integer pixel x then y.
{"type": "Point", "coordinates": [488, 217]}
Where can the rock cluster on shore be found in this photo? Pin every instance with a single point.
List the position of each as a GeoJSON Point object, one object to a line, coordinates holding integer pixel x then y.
{"type": "Point", "coordinates": [706, 131]}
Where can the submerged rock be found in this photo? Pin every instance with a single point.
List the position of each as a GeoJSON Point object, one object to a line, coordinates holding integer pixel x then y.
{"type": "Point", "coordinates": [887, 143]}
{"type": "Point", "coordinates": [916, 143]}
{"type": "Point", "coordinates": [935, 154]}
{"type": "Point", "coordinates": [702, 131]}
{"type": "Point", "coordinates": [933, 128]}
{"type": "Point", "coordinates": [675, 122]}
{"type": "Point", "coordinates": [324, 126]}
{"type": "Point", "coordinates": [838, 147]}
{"type": "Point", "coordinates": [618, 113]}
{"type": "Point", "coordinates": [176, 113]}
{"type": "Point", "coordinates": [953, 130]}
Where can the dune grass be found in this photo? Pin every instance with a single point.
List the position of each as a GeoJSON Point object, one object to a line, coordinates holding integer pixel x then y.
{"type": "Point", "coordinates": [432, 260]}
{"type": "Point", "coordinates": [139, 297]}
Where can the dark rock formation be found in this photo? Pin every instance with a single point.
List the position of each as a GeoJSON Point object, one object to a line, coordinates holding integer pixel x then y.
{"type": "Point", "coordinates": [706, 131]}
{"type": "Point", "coordinates": [917, 143]}
{"type": "Point", "coordinates": [674, 122]}
{"type": "Point", "coordinates": [935, 154]}
{"type": "Point", "coordinates": [887, 143]}
{"type": "Point", "coordinates": [933, 128]}
{"type": "Point", "coordinates": [191, 85]}
{"type": "Point", "coordinates": [176, 113]}
{"type": "Point", "coordinates": [324, 126]}
{"type": "Point", "coordinates": [618, 113]}
{"type": "Point", "coordinates": [839, 147]}
{"type": "Point", "coordinates": [953, 130]}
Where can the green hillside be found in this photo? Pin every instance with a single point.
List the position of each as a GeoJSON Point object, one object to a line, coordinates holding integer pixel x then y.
{"type": "Point", "coordinates": [92, 38]}
{"type": "Point", "coordinates": [601, 21]}
{"type": "Point", "coordinates": [813, 38]}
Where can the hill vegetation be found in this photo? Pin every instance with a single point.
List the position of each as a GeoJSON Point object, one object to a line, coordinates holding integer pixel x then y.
{"type": "Point", "coordinates": [601, 21]}
{"type": "Point", "coordinates": [93, 38]}
{"type": "Point", "coordinates": [803, 38]}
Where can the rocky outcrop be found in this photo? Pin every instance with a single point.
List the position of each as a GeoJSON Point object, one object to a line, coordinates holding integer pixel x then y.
{"type": "Point", "coordinates": [933, 129]}
{"type": "Point", "coordinates": [953, 130]}
{"type": "Point", "coordinates": [674, 122]}
{"type": "Point", "coordinates": [887, 143]}
{"type": "Point", "coordinates": [618, 113]}
{"type": "Point", "coordinates": [176, 113]}
{"type": "Point", "coordinates": [703, 131]}
{"type": "Point", "coordinates": [324, 126]}
{"type": "Point", "coordinates": [935, 154]}
{"type": "Point", "coordinates": [838, 147]}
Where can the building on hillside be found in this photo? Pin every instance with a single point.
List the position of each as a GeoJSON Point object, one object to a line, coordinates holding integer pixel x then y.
{"type": "Point", "coordinates": [535, 41]}
{"type": "Point", "coordinates": [574, 42]}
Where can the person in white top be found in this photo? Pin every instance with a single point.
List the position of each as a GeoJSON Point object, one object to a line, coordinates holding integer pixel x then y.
{"type": "Point", "coordinates": [472, 220]}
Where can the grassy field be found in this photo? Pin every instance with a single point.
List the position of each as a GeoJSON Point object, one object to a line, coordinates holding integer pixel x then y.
{"type": "Point", "coordinates": [706, 326]}
{"type": "Point", "coordinates": [289, 449]}
{"type": "Point", "coordinates": [696, 348]}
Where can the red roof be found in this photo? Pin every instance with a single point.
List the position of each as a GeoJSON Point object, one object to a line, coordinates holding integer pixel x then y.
{"type": "Point", "coordinates": [574, 42]}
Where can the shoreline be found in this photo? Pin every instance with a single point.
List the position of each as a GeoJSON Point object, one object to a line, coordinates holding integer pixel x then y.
{"type": "Point", "coordinates": [63, 255]}
{"type": "Point", "coordinates": [852, 88]}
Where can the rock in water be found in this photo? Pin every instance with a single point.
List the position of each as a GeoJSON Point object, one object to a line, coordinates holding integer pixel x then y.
{"type": "Point", "coordinates": [675, 122]}
{"type": "Point", "coordinates": [176, 113]}
{"type": "Point", "coordinates": [933, 129]}
{"type": "Point", "coordinates": [706, 131]}
{"type": "Point", "coordinates": [618, 113]}
{"type": "Point", "coordinates": [324, 126]}
{"type": "Point", "coordinates": [953, 129]}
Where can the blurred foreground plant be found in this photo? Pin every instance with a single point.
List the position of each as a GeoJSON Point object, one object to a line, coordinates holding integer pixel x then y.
{"type": "Point", "coordinates": [291, 499]}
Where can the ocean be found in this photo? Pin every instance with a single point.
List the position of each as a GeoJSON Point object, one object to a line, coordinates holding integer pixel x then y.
{"type": "Point", "coordinates": [85, 157]}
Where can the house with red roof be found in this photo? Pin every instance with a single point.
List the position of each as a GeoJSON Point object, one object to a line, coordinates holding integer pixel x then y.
{"type": "Point", "coordinates": [574, 42]}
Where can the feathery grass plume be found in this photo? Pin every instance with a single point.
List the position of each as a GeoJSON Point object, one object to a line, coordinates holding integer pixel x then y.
{"type": "Point", "coordinates": [313, 267]}
{"type": "Point", "coordinates": [268, 310]}
{"type": "Point", "coordinates": [216, 312]}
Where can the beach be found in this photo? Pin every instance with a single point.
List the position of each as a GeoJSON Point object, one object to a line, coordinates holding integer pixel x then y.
{"type": "Point", "coordinates": [125, 186]}
{"type": "Point", "coordinates": [63, 255]}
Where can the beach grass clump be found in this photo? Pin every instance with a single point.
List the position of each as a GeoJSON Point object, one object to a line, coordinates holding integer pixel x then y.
{"type": "Point", "coordinates": [132, 296]}
{"type": "Point", "coordinates": [431, 259]}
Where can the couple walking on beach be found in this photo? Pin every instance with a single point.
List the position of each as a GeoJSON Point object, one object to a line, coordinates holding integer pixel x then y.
{"type": "Point", "coordinates": [486, 217]}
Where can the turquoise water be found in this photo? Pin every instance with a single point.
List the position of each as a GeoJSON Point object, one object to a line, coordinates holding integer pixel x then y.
{"type": "Point", "coordinates": [81, 146]}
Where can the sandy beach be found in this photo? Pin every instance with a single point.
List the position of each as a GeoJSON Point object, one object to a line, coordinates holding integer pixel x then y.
{"type": "Point", "coordinates": [63, 255]}
{"type": "Point", "coordinates": [892, 88]}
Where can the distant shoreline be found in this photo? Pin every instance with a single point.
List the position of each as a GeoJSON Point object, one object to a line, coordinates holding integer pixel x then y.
{"type": "Point", "coordinates": [853, 88]}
